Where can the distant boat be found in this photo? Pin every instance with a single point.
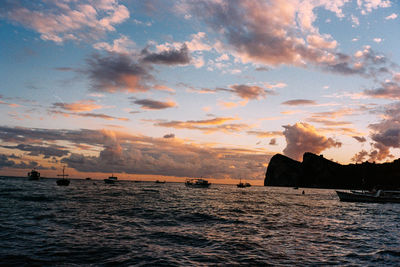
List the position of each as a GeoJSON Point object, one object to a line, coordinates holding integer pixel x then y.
{"type": "Point", "coordinates": [160, 182]}
{"type": "Point", "coordinates": [88, 178]}
{"type": "Point", "coordinates": [34, 175]}
{"type": "Point", "coordinates": [380, 196]}
{"type": "Point", "coordinates": [197, 183]}
{"type": "Point", "coordinates": [63, 181]}
{"type": "Point", "coordinates": [243, 185]}
{"type": "Point", "coordinates": [111, 180]}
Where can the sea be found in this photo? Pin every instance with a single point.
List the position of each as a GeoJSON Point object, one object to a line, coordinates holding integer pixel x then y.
{"type": "Point", "coordinates": [90, 223]}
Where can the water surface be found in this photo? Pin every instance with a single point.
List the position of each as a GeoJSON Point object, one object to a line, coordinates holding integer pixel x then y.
{"type": "Point", "coordinates": [92, 223]}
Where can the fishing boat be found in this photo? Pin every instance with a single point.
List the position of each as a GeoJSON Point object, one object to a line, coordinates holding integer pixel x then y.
{"type": "Point", "coordinates": [34, 175]}
{"type": "Point", "coordinates": [243, 185]}
{"type": "Point", "coordinates": [111, 180]}
{"type": "Point", "coordinates": [201, 183]}
{"type": "Point", "coordinates": [63, 181]}
{"type": "Point", "coordinates": [380, 196]}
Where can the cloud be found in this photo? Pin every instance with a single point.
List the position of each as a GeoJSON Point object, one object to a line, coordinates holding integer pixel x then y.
{"type": "Point", "coordinates": [133, 154]}
{"type": "Point", "coordinates": [248, 91]}
{"type": "Point", "coordinates": [264, 134]}
{"type": "Point", "coordinates": [153, 104]}
{"type": "Point", "coordinates": [6, 163]}
{"type": "Point", "coordinates": [122, 45]}
{"type": "Point", "coordinates": [169, 135]}
{"type": "Point", "coordinates": [360, 156]}
{"type": "Point", "coordinates": [167, 57]}
{"type": "Point", "coordinates": [79, 106]}
{"type": "Point", "coordinates": [377, 40]}
{"type": "Point", "coordinates": [207, 126]}
{"type": "Point", "coordinates": [114, 72]}
{"type": "Point", "coordinates": [285, 35]}
{"type": "Point", "coordinates": [46, 151]}
{"type": "Point", "coordinates": [392, 16]}
{"type": "Point", "coordinates": [360, 139]}
{"type": "Point", "coordinates": [299, 102]}
{"type": "Point", "coordinates": [388, 90]}
{"type": "Point", "coordinates": [303, 137]}
{"type": "Point", "coordinates": [272, 142]}
{"type": "Point", "coordinates": [66, 20]}
{"type": "Point", "coordinates": [90, 115]}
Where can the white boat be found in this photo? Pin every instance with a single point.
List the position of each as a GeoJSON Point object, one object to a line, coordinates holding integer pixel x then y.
{"type": "Point", "coordinates": [380, 196]}
{"type": "Point", "coordinates": [111, 180]}
{"type": "Point", "coordinates": [202, 183]}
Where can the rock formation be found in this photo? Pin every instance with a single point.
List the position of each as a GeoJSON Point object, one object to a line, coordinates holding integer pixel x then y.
{"type": "Point", "coordinates": [318, 172]}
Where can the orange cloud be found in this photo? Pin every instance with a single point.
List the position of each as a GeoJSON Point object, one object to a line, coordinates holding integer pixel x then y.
{"type": "Point", "coordinates": [79, 106]}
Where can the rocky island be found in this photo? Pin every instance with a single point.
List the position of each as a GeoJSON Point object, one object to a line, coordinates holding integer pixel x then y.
{"type": "Point", "coordinates": [318, 172]}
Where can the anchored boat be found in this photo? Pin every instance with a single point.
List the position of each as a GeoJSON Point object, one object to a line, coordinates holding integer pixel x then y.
{"type": "Point", "coordinates": [380, 196]}
{"type": "Point", "coordinates": [63, 181]}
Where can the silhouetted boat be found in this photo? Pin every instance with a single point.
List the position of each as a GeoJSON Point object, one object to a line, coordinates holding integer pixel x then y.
{"type": "Point", "coordinates": [160, 182]}
{"type": "Point", "coordinates": [111, 180]}
{"type": "Point", "coordinates": [380, 196]}
{"type": "Point", "coordinates": [34, 175]}
{"type": "Point", "coordinates": [197, 183]}
{"type": "Point", "coordinates": [243, 185]}
{"type": "Point", "coordinates": [63, 181]}
{"type": "Point", "coordinates": [88, 178]}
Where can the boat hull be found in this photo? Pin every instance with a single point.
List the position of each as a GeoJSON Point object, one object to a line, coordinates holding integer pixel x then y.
{"type": "Point", "coordinates": [367, 198]}
{"type": "Point", "coordinates": [63, 182]}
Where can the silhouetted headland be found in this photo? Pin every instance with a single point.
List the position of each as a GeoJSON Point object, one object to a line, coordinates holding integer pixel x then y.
{"type": "Point", "coordinates": [318, 172]}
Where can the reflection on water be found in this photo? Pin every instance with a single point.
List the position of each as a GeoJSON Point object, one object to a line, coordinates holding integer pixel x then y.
{"type": "Point", "coordinates": [170, 224]}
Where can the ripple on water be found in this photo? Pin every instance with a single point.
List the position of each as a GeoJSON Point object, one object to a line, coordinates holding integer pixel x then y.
{"type": "Point", "coordinates": [171, 225]}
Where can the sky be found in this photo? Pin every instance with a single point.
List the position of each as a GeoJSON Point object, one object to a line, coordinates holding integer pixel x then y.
{"type": "Point", "coordinates": [203, 88]}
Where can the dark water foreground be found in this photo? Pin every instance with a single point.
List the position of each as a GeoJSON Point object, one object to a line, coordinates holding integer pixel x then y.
{"type": "Point", "coordinates": [169, 224]}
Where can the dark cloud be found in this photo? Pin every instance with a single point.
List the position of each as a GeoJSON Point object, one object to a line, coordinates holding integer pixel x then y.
{"type": "Point", "coordinates": [154, 104]}
{"type": "Point", "coordinates": [167, 57]}
{"type": "Point", "coordinates": [245, 91]}
{"type": "Point", "coordinates": [46, 151]}
{"type": "Point", "coordinates": [360, 139]}
{"type": "Point", "coordinates": [360, 156]}
{"type": "Point", "coordinates": [303, 137]}
{"type": "Point", "coordinates": [6, 163]}
{"type": "Point", "coordinates": [272, 142]}
{"type": "Point", "coordinates": [169, 135]}
{"type": "Point", "coordinates": [299, 102]}
{"type": "Point", "coordinates": [388, 90]}
{"type": "Point", "coordinates": [115, 72]}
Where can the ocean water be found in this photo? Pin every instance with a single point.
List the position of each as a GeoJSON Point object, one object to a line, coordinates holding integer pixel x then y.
{"type": "Point", "coordinates": [148, 224]}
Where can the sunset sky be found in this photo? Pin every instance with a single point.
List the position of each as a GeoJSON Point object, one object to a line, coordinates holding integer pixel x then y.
{"type": "Point", "coordinates": [210, 88]}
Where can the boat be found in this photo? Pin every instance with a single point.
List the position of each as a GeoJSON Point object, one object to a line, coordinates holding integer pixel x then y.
{"type": "Point", "coordinates": [243, 185]}
{"type": "Point", "coordinates": [160, 182]}
{"type": "Point", "coordinates": [63, 181]}
{"type": "Point", "coordinates": [380, 196]}
{"type": "Point", "coordinates": [88, 178]}
{"type": "Point", "coordinates": [202, 183]}
{"type": "Point", "coordinates": [34, 175]}
{"type": "Point", "coordinates": [111, 180]}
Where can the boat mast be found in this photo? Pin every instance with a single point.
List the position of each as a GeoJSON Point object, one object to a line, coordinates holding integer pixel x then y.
{"type": "Point", "coordinates": [63, 174]}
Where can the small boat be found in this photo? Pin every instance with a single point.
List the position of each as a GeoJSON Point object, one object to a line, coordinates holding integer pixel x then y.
{"type": "Point", "coordinates": [88, 178]}
{"type": "Point", "coordinates": [63, 181]}
{"type": "Point", "coordinates": [380, 196]}
{"type": "Point", "coordinates": [111, 180]}
{"type": "Point", "coordinates": [34, 175]}
{"type": "Point", "coordinates": [197, 183]}
{"type": "Point", "coordinates": [160, 182]}
{"type": "Point", "coordinates": [243, 185]}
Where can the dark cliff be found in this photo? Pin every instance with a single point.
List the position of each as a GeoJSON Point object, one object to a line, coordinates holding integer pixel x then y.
{"type": "Point", "coordinates": [318, 172]}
